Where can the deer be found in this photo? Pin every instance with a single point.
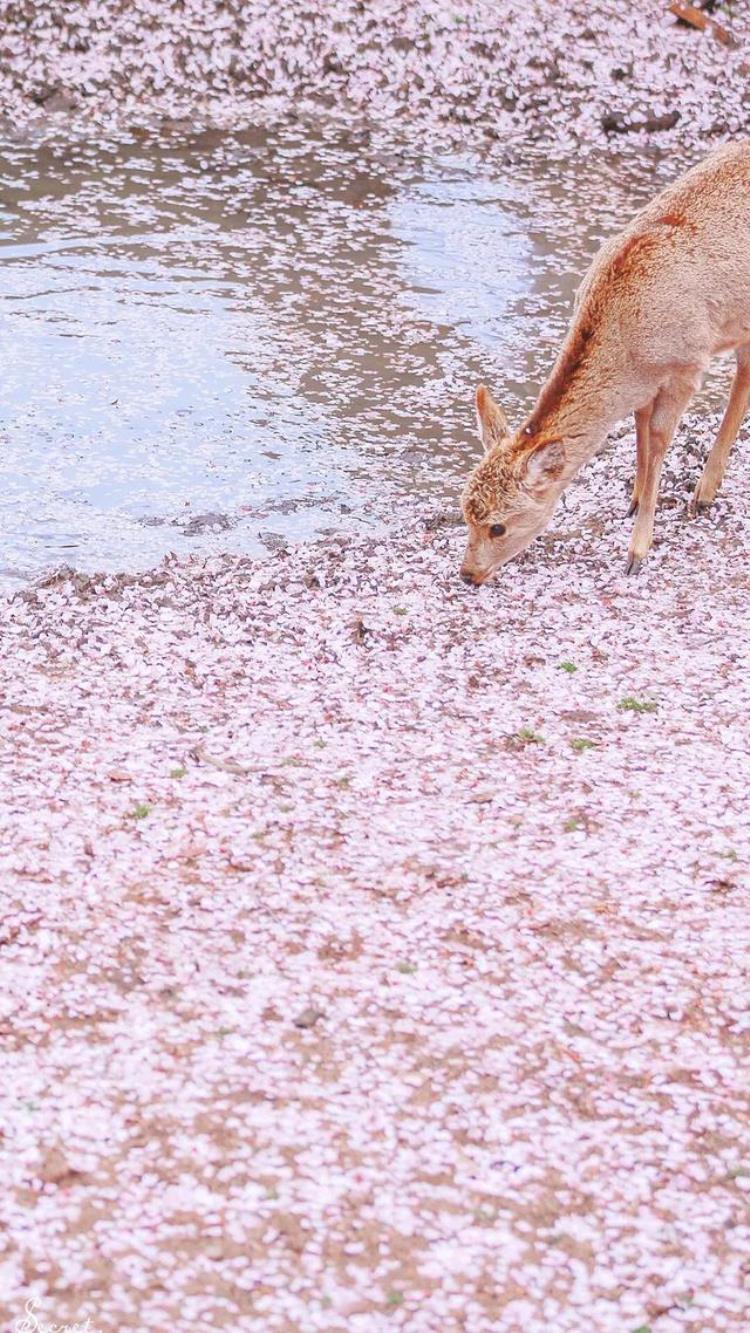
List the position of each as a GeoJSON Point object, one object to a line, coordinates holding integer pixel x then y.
{"type": "Point", "coordinates": [658, 302]}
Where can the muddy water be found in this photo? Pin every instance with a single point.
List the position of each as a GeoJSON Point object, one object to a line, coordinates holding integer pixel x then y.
{"type": "Point", "coordinates": [228, 341]}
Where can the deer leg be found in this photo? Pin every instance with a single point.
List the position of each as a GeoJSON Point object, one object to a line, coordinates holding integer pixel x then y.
{"type": "Point", "coordinates": [642, 422]}
{"type": "Point", "coordinates": [668, 406]}
{"type": "Point", "coordinates": [739, 400]}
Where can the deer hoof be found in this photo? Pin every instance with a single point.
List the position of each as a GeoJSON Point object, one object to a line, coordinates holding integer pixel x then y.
{"type": "Point", "coordinates": [634, 563]}
{"type": "Point", "coordinates": [696, 507]}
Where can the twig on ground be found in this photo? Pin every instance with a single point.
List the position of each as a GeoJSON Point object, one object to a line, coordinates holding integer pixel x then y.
{"type": "Point", "coordinates": [696, 18]}
{"type": "Point", "coordinates": [226, 765]}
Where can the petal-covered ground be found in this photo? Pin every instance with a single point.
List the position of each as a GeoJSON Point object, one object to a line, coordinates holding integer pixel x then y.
{"type": "Point", "coordinates": [375, 950]}
{"type": "Point", "coordinates": [473, 71]}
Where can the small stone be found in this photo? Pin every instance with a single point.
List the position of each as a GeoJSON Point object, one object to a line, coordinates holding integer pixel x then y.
{"type": "Point", "coordinates": [308, 1018]}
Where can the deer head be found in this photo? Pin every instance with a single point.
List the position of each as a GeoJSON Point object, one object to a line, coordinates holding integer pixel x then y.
{"type": "Point", "coordinates": [510, 495]}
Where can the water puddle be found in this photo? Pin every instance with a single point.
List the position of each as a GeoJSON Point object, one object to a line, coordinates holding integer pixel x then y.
{"type": "Point", "coordinates": [222, 341]}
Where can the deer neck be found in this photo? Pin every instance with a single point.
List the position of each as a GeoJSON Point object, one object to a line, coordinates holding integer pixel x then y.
{"type": "Point", "coordinates": [578, 404]}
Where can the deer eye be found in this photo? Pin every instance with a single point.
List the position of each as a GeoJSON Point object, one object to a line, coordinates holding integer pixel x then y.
{"type": "Point", "coordinates": [497, 530]}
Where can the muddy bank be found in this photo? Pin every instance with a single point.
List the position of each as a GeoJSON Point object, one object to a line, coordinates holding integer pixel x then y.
{"type": "Point", "coordinates": [469, 72]}
{"type": "Point", "coordinates": [375, 949]}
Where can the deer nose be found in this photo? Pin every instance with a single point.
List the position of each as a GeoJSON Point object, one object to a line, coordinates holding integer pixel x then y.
{"type": "Point", "coordinates": [467, 577]}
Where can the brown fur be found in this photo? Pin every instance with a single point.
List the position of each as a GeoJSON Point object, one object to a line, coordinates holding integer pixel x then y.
{"type": "Point", "coordinates": [658, 302]}
{"type": "Point", "coordinates": [570, 365]}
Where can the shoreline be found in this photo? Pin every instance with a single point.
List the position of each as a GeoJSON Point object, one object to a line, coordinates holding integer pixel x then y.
{"type": "Point", "coordinates": [484, 75]}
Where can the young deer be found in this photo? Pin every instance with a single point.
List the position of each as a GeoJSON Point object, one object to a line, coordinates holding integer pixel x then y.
{"type": "Point", "coordinates": [658, 302]}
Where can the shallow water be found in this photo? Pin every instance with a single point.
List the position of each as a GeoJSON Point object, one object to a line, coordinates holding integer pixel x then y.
{"type": "Point", "coordinates": [216, 340]}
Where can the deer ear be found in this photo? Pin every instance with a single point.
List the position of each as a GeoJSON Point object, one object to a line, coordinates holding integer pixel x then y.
{"type": "Point", "coordinates": [492, 422]}
{"type": "Point", "coordinates": [543, 465]}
